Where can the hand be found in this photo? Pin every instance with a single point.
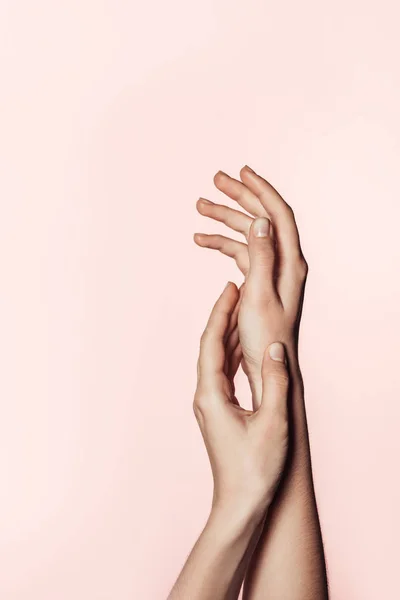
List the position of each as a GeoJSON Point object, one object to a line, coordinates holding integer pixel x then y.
{"type": "Point", "coordinates": [272, 262]}
{"type": "Point", "coordinates": [247, 449]}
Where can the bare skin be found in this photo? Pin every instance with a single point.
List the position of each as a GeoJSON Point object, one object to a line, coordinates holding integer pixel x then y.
{"type": "Point", "coordinates": [247, 451]}
{"type": "Point", "coordinates": [288, 563]}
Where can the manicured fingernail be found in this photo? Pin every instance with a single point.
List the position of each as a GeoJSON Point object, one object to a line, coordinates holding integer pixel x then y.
{"type": "Point", "coordinates": [204, 201]}
{"type": "Point", "coordinates": [249, 169]}
{"type": "Point", "coordinates": [222, 173]}
{"type": "Point", "coordinates": [261, 227]}
{"type": "Point", "coordinates": [277, 351]}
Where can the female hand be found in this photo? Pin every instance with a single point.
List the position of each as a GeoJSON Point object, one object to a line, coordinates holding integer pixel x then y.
{"type": "Point", "coordinates": [289, 561]}
{"type": "Point", "coordinates": [272, 262]}
{"type": "Point", "coordinates": [247, 450]}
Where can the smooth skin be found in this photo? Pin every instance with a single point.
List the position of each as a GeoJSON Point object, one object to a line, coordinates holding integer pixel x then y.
{"type": "Point", "coordinates": [288, 563]}
{"type": "Point", "coordinates": [247, 451]}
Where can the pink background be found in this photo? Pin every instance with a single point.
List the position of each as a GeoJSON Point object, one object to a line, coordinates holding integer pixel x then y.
{"type": "Point", "coordinates": [115, 115]}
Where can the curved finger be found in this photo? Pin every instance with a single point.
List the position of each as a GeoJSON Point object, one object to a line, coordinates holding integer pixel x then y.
{"type": "Point", "coordinates": [240, 193]}
{"type": "Point", "coordinates": [233, 321]}
{"type": "Point", "coordinates": [212, 347]}
{"type": "Point", "coordinates": [235, 361]}
{"type": "Point", "coordinates": [231, 343]}
{"type": "Point", "coordinates": [229, 247]}
{"type": "Point", "coordinates": [280, 212]}
{"type": "Point", "coordinates": [234, 219]}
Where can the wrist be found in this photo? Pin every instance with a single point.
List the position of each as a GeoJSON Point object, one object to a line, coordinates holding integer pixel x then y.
{"type": "Point", "coordinates": [233, 523]}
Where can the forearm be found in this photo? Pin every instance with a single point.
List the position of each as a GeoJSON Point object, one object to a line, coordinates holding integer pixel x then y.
{"type": "Point", "coordinates": [289, 561]}
{"type": "Point", "coordinates": [217, 564]}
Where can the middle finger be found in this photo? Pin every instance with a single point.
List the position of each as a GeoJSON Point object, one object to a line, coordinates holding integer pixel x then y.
{"type": "Point", "coordinates": [238, 191]}
{"type": "Point", "coordinates": [234, 219]}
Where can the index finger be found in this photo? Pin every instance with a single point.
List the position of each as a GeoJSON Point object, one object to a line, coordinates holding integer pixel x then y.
{"type": "Point", "coordinates": [212, 345]}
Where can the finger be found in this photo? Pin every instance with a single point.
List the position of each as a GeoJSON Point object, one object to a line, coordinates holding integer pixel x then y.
{"type": "Point", "coordinates": [227, 246]}
{"type": "Point", "coordinates": [280, 212]}
{"type": "Point", "coordinates": [236, 359]}
{"type": "Point", "coordinates": [260, 279]}
{"type": "Point", "coordinates": [234, 219]}
{"type": "Point", "coordinates": [293, 267]}
{"type": "Point", "coordinates": [233, 321]}
{"type": "Point", "coordinates": [230, 346]}
{"type": "Point", "coordinates": [240, 193]}
{"type": "Point", "coordinates": [275, 383]}
{"type": "Point", "coordinates": [231, 338]}
{"type": "Point", "coordinates": [232, 343]}
{"type": "Point", "coordinates": [212, 348]}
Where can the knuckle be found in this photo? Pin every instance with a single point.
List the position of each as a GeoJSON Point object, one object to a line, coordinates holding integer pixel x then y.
{"type": "Point", "coordinates": [288, 210]}
{"type": "Point", "coordinates": [199, 405]}
{"type": "Point", "coordinates": [196, 409]}
{"type": "Point", "coordinates": [265, 256]}
{"type": "Point", "coordinates": [299, 266]}
{"type": "Point", "coordinates": [260, 298]}
{"type": "Point", "coordinates": [302, 267]}
{"type": "Point", "coordinates": [205, 336]}
{"type": "Point", "coordinates": [280, 378]}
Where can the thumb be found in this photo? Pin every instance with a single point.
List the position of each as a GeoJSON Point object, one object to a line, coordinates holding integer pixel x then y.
{"type": "Point", "coordinates": [275, 383]}
{"type": "Point", "coordinates": [261, 249]}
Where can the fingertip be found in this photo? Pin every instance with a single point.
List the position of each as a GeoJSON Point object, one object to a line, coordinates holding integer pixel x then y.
{"type": "Point", "coordinates": [228, 298]}
{"type": "Point", "coordinates": [227, 286]}
{"type": "Point", "coordinates": [248, 171]}
{"type": "Point", "coordinates": [202, 204]}
{"type": "Point", "coordinates": [198, 238]}
{"type": "Point", "coordinates": [231, 288]}
{"type": "Point", "coordinates": [234, 286]}
{"type": "Point", "coordinates": [219, 177]}
{"type": "Point", "coordinates": [255, 181]}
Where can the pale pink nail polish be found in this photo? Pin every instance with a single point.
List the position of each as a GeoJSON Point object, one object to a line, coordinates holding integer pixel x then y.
{"type": "Point", "coordinates": [261, 227]}
{"type": "Point", "coordinates": [277, 351]}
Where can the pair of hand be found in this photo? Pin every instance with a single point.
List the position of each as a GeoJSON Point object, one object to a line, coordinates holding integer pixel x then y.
{"type": "Point", "coordinates": [257, 327]}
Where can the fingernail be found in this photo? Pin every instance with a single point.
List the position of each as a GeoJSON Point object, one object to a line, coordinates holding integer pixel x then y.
{"type": "Point", "coordinates": [222, 173]}
{"type": "Point", "coordinates": [249, 169]}
{"type": "Point", "coordinates": [261, 227]}
{"type": "Point", "coordinates": [205, 201]}
{"type": "Point", "coordinates": [277, 351]}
